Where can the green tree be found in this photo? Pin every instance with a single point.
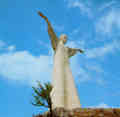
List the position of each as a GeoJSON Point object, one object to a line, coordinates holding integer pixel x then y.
{"type": "Point", "coordinates": [42, 96]}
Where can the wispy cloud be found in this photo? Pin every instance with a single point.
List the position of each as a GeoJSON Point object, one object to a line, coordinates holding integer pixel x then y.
{"type": "Point", "coordinates": [85, 71]}
{"type": "Point", "coordinates": [107, 5]}
{"type": "Point", "coordinates": [84, 7]}
{"type": "Point", "coordinates": [101, 81]}
{"type": "Point", "coordinates": [94, 67]}
{"type": "Point", "coordinates": [74, 32]}
{"type": "Point", "coordinates": [23, 67]}
{"type": "Point", "coordinates": [76, 44]}
{"type": "Point", "coordinates": [108, 22]}
{"type": "Point", "coordinates": [83, 76]}
{"type": "Point", "coordinates": [43, 44]}
{"type": "Point", "coordinates": [103, 51]}
{"type": "Point", "coordinates": [5, 47]}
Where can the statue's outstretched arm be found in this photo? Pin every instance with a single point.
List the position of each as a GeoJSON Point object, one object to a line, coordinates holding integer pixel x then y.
{"type": "Point", "coordinates": [73, 51]}
{"type": "Point", "coordinates": [53, 37]}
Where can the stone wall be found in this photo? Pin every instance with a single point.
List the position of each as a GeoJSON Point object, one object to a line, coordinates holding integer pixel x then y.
{"type": "Point", "coordinates": [83, 112]}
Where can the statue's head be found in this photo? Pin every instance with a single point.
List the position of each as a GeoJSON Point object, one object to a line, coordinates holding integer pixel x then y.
{"type": "Point", "coordinates": [63, 38]}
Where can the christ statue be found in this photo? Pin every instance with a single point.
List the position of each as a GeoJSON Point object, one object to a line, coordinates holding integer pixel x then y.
{"type": "Point", "coordinates": [64, 93]}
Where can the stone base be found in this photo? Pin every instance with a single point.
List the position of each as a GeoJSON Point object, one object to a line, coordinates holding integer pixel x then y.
{"type": "Point", "coordinates": [84, 112]}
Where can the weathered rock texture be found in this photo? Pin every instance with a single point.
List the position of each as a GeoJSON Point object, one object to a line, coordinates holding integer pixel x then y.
{"type": "Point", "coordinates": [83, 112]}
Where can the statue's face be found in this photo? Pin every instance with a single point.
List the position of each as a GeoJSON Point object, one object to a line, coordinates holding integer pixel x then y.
{"type": "Point", "coordinates": [63, 38]}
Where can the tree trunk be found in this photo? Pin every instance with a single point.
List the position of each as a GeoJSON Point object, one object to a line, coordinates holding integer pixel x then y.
{"type": "Point", "coordinates": [51, 114]}
{"type": "Point", "coordinates": [50, 107]}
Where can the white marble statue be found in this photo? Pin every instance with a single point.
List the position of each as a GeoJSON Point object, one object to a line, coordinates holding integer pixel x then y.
{"type": "Point", "coordinates": [64, 93]}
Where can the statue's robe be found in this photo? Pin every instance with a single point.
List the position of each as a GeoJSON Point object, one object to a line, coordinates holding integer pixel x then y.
{"type": "Point", "coordinates": [64, 93]}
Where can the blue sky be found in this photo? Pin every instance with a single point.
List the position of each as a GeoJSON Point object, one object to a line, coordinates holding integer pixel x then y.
{"type": "Point", "coordinates": [26, 54]}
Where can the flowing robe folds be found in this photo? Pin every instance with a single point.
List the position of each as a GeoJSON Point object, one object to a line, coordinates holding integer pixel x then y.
{"type": "Point", "coordinates": [64, 93]}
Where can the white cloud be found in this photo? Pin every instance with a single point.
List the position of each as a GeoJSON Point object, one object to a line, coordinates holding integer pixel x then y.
{"type": "Point", "coordinates": [76, 44]}
{"type": "Point", "coordinates": [75, 31]}
{"type": "Point", "coordinates": [43, 44]}
{"type": "Point", "coordinates": [96, 72]}
{"type": "Point", "coordinates": [11, 48]}
{"type": "Point", "coordinates": [72, 44]}
{"type": "Point", "coordinates": [83, 75]}
{"type": "Point", "coordinates": [84, 8]}
{"type": "Point", "coordinates": [102, 51]}
{"type": "Point", "coordinates": [101, 81]}
{"type": "Point", "coordinates": [5, 47]}
{"type": "Point", "coordinates": [95, 67]}
{"type": "Point", "coordinates": [107, 5]}
{"type": "Point", "coordinates": [22, 66]}
{"type": "Point", "coordinates": [101, 105]}
{"type": "Point", "coordinates": [106, 23]}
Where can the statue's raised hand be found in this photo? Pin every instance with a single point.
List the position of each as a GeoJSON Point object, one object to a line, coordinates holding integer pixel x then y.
{"type": "Point", "coordinates": [44, 17]}
{"type": "Point", "coordinates": [81, 51]}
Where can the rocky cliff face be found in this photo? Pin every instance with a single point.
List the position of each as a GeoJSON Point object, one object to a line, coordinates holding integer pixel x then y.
{"type": "Point", "coordinates": [83, 112]}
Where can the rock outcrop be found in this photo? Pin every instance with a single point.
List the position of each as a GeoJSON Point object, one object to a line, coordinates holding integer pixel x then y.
{"type": "Point", "coordinates": [83, 112]}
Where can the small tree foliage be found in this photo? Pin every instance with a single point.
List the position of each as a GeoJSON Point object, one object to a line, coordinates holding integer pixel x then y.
{"type": "Point", "coordinates": [42, 95]}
